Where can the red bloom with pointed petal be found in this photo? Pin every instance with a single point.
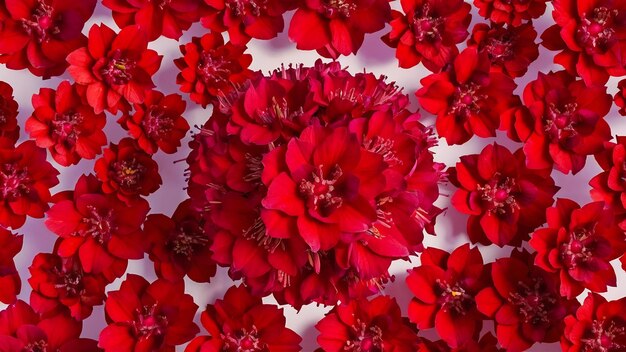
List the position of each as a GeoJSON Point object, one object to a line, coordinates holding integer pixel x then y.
{"type": "Point", "coordinates": [620, 97]}
{"type": "Point", "coordinates": [590, 36]}
{"type": "Point", "coordinates": [127, 171]}
{"type": "Point", "coordinates": [64, 123]}
{"type": "Point", "coordinates": [102, 230]}
{"type": "Point", "coordinates": [241, 322]}
{"type": "Point", "coordinates": [524, 302]}
{"type": "Point", "coordinates": [10, 283]}
{"type": "Point", "coordinates": [506, 201]}
{"type": "Point", "coordinates": [609, 185]}
{"type": "Point", "coordinates": [168, 18]}
{"type": "Point", "coordinates": [25, 181]}
{"type": "Point", "coordinates": [512, 12]}
{"type": "Point", "coordinates": [39, 34]}
{"type": "Point", "coordinates": [9, 129]}
{"type": "Point", "coordinates": [145, 316]}
{"type": "Point", "coordinates": [116, 68]}
{"type": "Point", "coordinates": [578, 244]}
{"type": "Point", "coordinates": [569, 121]}
{"type": "Point", "coordinates": [339, 25]}
{"type": "Point", "coordinates": [210, 69]}
{"type": "Point", "coordinates": [468, 98]}
{"type": "Point", "coordinates": [428, 31]}
{"type": "Point", "coordinates": [598, 325]}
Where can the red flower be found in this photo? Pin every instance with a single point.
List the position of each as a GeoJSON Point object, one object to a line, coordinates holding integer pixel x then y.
{"type": "Point", "coordinates": [568, 121]}
{"type": "Point", "coordinates": [10, 283]}
{"type": "Point", "coordinates": [428, 32]}
{"type": "Point", "coordinates": [168, 18]}
{"type": "Point", "coordinates": [362, 325]}
{"type": "Point", "coordinates": [620, 97]}
{"type": "Point", "coordinates": [116, 68]}
{"type": "Point", "coordinates": [590, 36]}
{"type": "Point", "coordinates": [25, 181]}
{"type": "Point", "coordinates": [487, 343]}
{"type": "Point", "coordinates": [609, 186]}
{"type": "Point", "coordinates": [578, 244]}
{"type": "Point", "coordinates": [512, 12]}
{"type": "Point", "coordinates": [260, 19]}
{"type": "Point", "coordinates": [9, 129]}
{"type": "Point", "coordinates": [64, 123]}
{"type": "Point", "coordinates": [445, 286]}
{"type": "Point", "coordinates": [179, 245]}
{"type": "Point", "coordinates": [101, 229]}
{"type": "Point", "coordinates": [597, 326]}
{"type": "Point", "coordinates": [339, 25]}
{"type": "Point", "coordinates": [505, 200]}
{"type": "Point", "coordinates": [517, 121]}
{"type": "Point", "coordinates": [127, 171]}
{"type": "Point", "coordinates": [525, 303]}
{"type": "Point", "coordinates": [21, 329]}
{"type": "Point", "coordinates": [510, 49]}
{"type": "Point", "coordinates": [209, 68]}
{"type": "Point", "coordinates": [468, 98]}
{"type": "Point", "coordinates": [241, 322]}
{"type": "Point", "coordinates": [39, 34]}
{"type": "Point", "coordinates": [147, 316]}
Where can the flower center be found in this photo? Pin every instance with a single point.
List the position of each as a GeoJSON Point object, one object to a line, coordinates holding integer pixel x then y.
{"type": "Point", "coordinates": [149, 322]}
{"type": "Point", "coordinates": [64, 126]}
{"type": "Point", "coordinates": [466, 100]}
{"type": "Point", "coordinates": [156, 123]}
{"type": "Point", "coordinates": [499, 49]}
{"type": "Point", "coordinates": [338, 8]}
{"type": "Point", "coordinates": [243, 341]}
{"type": "Point", "coordinates": [366, 338]}
{"type": "Point", "coordinates": [533, 302]}
{"type": "Point", "coordinates": [320, 191]}
{"type": "Point", "coordinates": [38, 346]}
{"type": "Point", "coordinates": [580, 247]}
{"type": "Point", "coordinates": [70, 281]}
{"type": "Point", "coordinates": [187, 240]}
{"type": "Point", "coordinates": [500, 195]}
{"type": "Point", "coordinates": [427, 26]}
{"type": "Point", "coordinates": [277, 110]}
{"type": "Point", "coordinates": [163, 3]}
{"type": "Point", "coordinates": [241, 8]}
{"type": "Point", "coordinates": [118, 70]}
{"type": "Point", "coordinates": [128, 173]}
{"type": "Point", "coordinates": [602, 337]}
{"type": "Point", "coordinates": [41, 24]}
{"type": "Point", "coordinates": [214, 68]}
{"type": "Point", "coordinates": [14, 181]}
{"type": "Point", "coordinates": [561, 121]}
{"type": "Point", "coordinates": [596, 30]}
{"type": "Point", "coordinates": [100, 224]}
{"type": "Point", "coordinates": [453, 298]}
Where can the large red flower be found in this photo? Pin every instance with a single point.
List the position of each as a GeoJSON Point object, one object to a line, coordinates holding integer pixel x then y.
{"type": "Point", "coordinates": [116, 68]}
{"type": "Point", "coordinates": [505, 200]}
{"type": "Point", "coordinates": [9, 129]}
{"type": "Point", "coordinates": [597, 326]}
{"type": "Point", "coordinates": [578, 244]}
{"type": "Point", "coordinates": [609, 185]}
{"type": "Point", "coordinates": [568, 121]}
{"type": "Point", "coordinates": [39, 34]}
{"type": "Point", "coordinates": [64, 123]}
{"type": "Point", "coordinates": [428, 32]}
{"type": "Point", "coordinates": [10, 282]}
{"type": "Point", "coordinates": [168, 18]}
{"type": "Point", "coordinates": [25, 181]}
{"type": "Point", "coordinates": [145, 316]}
{"type": "Point", "coordinates": [524, 302]}
{"type": "Point", "coordinates": [467, 98]}
{"type": "Point", "coordinates": [241, 322]}
{"type": "Point", "coordinates": [513, 12]}
{"type": "Point", "coordinates": [445, 286]}
{"type": "Point", "coordinates": [339, 25]}
{"type": "Point", "coordinates": [590, 36]}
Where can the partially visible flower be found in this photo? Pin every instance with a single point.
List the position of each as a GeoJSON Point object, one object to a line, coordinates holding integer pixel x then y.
{"type": "Point", "coordinates": [116, 68]}
{"type": "Point", "coordinates": [428, 31]}
{"type": "Point", "coordinates": [620, 97]}
{"type": "Point", "coordinates": [168, 18]}
{"type": "Point", "coordinates": [9, 129]}
{"type": "Point", "coordinates": [512, 12]}
{"type": "Point", "coordinates": [578, 244]}
{"type": "Point", "coordinates": [127, 171]}
{"type": "Point", "coordinates": [145, 316]}
{"type": "Point", "coordinates": [241, 322]}
{"type": "Point", "coordinates": [609, 185]}
{"type": "Point", "coordinates": [39, 34]}
{"type": "Point", "coordinates": [209, 68]}
{"type": "Point", "coordinates": [25, 181]}
{"type": "Point", "coordinates": [63, 122]}
{"type": "Point", "coordinates": [517, 121]}
{"type": "Point", "coordinates": [339, 25]}
{"type": "Point", "coordinates": [487, 343]}
{"type": "Point", "coordinates": [10, 282]}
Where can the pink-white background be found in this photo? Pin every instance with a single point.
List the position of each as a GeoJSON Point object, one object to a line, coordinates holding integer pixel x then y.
{"type": "Point", "coordinates": [374, 56]}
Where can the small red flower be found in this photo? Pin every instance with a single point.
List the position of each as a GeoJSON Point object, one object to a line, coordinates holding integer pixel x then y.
{"type": "Point", "coordinates": [512, 12]}
{"type": "Point", "coordinates": [620, 97]}
{"type": "Point", "coordinates": [590, 36]}
{"type": "Point", "coordinates": [524, 302]}
{"type": "Point", "coordinates": [209, 68]}
{"type": "Point", "coordinates": [361, 325]}
{"type": "Point", "coordinates": [578, 244]}
{"type": "Point", "coordinates": [10, 282]}
{"type": "Point", "coordinates": [241, 322]}
{"type": "Point", "coordinates": [168, 18]}
{"type": "Point", "coordinates": [25, 181]}
{"type": "Point", "coordinates": [467, 98]}
{"type": "Point", "coordinates": [568, 121]}
{"type": "Point", "coordinates": [145, 316]}
{"type": "Point", "coordinates": [9, 129]}
{"type": "Point", "coordinates": [609, 185]}
{"type": "Point", "coordinates": [116, 68]}
{"type": "Point", "coordinates": [39, 34]}
{"type": "Point", "coordinates": [64, 123]}
{"type": "Point", "coordinates": [127, 171]}
{"type": "Point", "coordinates": [445, 287]}
{"type": "Point", "coordinates": [597, 326]}
{"type": "Point", "coordinates": [339, 25]}
{"type": "Point", "coordinates": [505, 200]}
{"type": "Point", "coordinates": [428, 32]}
